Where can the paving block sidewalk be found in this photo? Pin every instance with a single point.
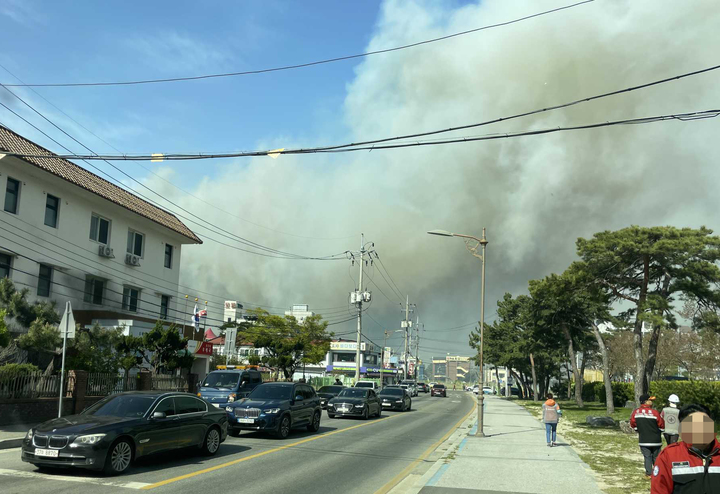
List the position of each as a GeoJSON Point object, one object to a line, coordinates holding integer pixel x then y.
{"type": "Point", "coordinates": [513, 458]}
{"type": "Point", "coordinates": [11, 436]}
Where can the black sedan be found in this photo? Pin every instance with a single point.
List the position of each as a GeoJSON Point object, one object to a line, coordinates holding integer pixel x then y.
{"type": "Point", "coordinates": [327, 393]}
{"type": "Point", "coordinates": [355, 402]}
{"type": "Point", "coordinates": [439, 390]}
{"type": "Point", "coordinates": [275, 408]}
{"type": "Point", "coordinates": [395, 399]}
{"type": "Point", "coordinates": [123, 427]}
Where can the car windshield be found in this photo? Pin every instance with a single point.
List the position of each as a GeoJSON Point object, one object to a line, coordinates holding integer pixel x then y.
{"type": "Point", "coordinates": [353, 393]}
{"type": "Point", "coordinates": [122, 406]}
{"type": "Point", "coordinates": [330, 389]}
{"type": "Point", "coordinates": [271, 392]}
{"type": "Point", "coordinates": [227, 380]}
{"type": "Point", "coordinates": [391, 392]}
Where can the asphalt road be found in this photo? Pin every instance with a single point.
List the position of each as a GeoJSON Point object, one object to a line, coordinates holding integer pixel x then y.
{"type": "Point", "coordinates": [346, 456]}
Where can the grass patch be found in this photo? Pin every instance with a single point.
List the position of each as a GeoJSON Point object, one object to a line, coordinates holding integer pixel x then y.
{"type": "Point", "coordinates": [613, 455]}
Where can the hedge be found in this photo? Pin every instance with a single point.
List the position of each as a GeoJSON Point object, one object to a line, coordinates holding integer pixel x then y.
{"type": "Point", "coordinates": [705, 393]}
{"type": "Point", "coordinates": [14, 370]}
{"type": "Point", "coordinates": [622, 392]}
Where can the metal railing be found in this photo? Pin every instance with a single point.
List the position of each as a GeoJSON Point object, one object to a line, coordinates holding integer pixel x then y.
{"type": "Point", "coordinates": [99, 384]}
{"type": "Point", "coordinates": [161, 382]}
{"type": "Point", "coordinates": [33, 385]}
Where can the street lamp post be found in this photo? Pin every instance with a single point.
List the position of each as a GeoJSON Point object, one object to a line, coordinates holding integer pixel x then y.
{"type": "Point", "coordinates": [481, 242]}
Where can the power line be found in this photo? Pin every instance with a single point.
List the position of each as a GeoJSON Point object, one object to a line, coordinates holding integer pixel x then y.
{"type": "Point", "coordinates": [301, 65]}
{"type": "Point", "coordinates": [186, 192]}
{"type": "Point", "coordinates": [275, 253]}
{"type": "Point", "coordinates": [683, 117]}
{"type": "Point", "coordinates": [397, 290]}
{"type": "Point", "coordinates": [355, 145]}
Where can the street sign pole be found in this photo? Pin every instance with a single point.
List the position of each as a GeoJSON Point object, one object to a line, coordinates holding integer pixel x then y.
{"type": "Point", "coordinates": [67, 322]}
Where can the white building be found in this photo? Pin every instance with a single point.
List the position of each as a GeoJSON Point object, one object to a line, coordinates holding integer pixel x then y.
{"type": "Point", "coordinates": [300, 312]}
{"type": "Point", "coordinates": [68, 235]}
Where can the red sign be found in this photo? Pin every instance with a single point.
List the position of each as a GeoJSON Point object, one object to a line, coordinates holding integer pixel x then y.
{"type": "Point", "coordinates": [204, 348]}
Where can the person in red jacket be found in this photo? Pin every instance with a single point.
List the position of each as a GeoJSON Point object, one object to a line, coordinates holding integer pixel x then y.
{"type": "Point", "coordinates": [649, 425]}
{"type": "Point", "coordinates": [693, 465]}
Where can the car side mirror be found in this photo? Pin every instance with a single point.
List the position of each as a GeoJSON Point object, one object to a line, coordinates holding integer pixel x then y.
{"type": "Point", "coordinates": [299, 398]}
{"type": "Point", "coordinates": [159, 415]}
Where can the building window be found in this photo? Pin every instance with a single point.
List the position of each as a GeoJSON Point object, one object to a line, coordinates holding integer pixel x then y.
{"type": "Point", "coordinates": [5, 265]}
{"type": "Point", "coordinates": [130, 299]}
{"type": "Point", "coordinates": [44, 280]}
{"type": "Point", "coordinates": [12, 193]}
{"type": "Point", "coordinates": [52, 204]}
{"type": "Point", "coordinates": [164, 303]}
{"type": "Point", "coordinates": [94, 290]}
{"type": "Point", "coordinates": [135, 243]}
{"type": "Point", "coordinates": [99, 229]}
{"type": "Point", "coordinates": [168, 256]}
{"type": "Point", "coordinates": [344, 357]}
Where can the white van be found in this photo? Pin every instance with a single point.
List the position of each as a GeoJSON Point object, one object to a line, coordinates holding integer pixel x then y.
{"type": "Point", "coordinates": [367, 384]}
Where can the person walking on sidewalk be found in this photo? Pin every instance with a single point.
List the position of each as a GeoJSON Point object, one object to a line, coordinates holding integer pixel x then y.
{"type": "Point", "coordinates": [693, 465]}
{"type": "Point", "coordinates": [648, 423]}
{"type": "Point", "coordinates": [670, 415]}
{"type": "Point", "coordinates": [550, 415]}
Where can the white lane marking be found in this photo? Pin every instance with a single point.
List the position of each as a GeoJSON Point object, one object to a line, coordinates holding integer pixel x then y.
{"type": "Point", "coordinates": [9, 450]}
{"type": "Point", "coordinates": [67, 478]}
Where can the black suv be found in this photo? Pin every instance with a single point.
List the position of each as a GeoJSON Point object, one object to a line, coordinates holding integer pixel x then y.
{"type": "Point", "coordinates": [275, 408]}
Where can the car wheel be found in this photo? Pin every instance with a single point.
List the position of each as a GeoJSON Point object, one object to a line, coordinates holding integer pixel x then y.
{"type": "Point", "coordinates": [211, 444]}
{"type": "Point", "coordinates": [331, 415]}
{"type": "Point", "coordinates": [118, 458]}
{"type": "Point", "coordinates": [366, 413]}
{"type": "Point", "coordinates": [409, 406]}
{"type": "Point", "coordinates": [283, 430]}
{"type": "Point", "coordinates": [314, 426]}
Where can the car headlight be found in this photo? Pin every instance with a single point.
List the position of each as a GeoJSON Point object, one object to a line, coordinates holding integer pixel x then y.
{"type": "Point", "coordinates": [271, 410]}
{"type": "Point", "coordinates": [359, 406]}
{"type": "Point", "coordinates": [29, 434]}
{"type": "Point", "coordinates": [231, 397]}
{"type": "Point", "coordinates": [89, 439]}
{"type": "Point", "coordinates": [229, 409]}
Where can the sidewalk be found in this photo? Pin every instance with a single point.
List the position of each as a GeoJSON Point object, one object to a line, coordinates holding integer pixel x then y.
{"type": "Point", "coordinates": [11, 436]}
{"type": "Point", "coordinates": [513, 458]}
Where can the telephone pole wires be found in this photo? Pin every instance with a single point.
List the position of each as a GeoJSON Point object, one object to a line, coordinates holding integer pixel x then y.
{"type": "Point", "coordinates": [360, 296]}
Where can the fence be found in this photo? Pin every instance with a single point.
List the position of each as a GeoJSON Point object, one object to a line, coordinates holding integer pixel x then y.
{"type": "Point", "coordinates": [99, 384]}
{"type": "Point", "coordinates": [33, 385]}
{"type": "Point", "coordinates": [168, 382]}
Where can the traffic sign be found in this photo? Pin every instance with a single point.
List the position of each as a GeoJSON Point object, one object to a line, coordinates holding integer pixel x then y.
{"type": "Point", "coordinates": [67, 323]}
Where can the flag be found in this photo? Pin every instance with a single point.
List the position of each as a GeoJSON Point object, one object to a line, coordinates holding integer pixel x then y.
{"type": "Point", "coordinates": [203, 313]}
{"type": "Point", "coordinates": [196, 319]}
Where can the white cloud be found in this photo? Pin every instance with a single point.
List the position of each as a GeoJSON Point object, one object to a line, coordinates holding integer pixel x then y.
{"type": "Point", "coordinates": [178, 53]}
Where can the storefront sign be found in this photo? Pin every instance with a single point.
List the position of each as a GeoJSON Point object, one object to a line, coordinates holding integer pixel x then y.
{"type": "Point", "coordinates": [204, 348]}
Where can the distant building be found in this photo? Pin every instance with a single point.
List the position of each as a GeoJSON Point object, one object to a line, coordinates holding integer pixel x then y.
{"type": "Point", "coordinates": [451, 368]}
{"type": "Point", "coordinates": [300, 312]}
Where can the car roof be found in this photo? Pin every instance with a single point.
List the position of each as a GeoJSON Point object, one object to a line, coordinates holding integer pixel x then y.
{"type": "Point", "coordinates": [281, 384]}
{"type": "Point", "coordinates": [155, 394]}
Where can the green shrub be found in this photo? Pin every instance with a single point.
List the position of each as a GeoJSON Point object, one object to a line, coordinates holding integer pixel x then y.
{"type": "Point", "coordinates": [705, 393]}
{"type": "Point", "coordinates": [595, 391]}
{"type": "Point", "coordinates": [8, 371]}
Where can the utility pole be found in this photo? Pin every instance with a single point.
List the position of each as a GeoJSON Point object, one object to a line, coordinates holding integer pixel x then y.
{"type": "Point", "coordinates": [417, 347]}
{"type": "Point", "coordinates": [382, 361]}
{"type": "Point", "coordinates": [406, 325]}
{"type": "Point", "coordinates": [360, 295]}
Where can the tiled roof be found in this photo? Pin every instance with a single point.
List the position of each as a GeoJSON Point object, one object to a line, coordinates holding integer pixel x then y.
{"type": "Point", "coordinates": [11, 142]}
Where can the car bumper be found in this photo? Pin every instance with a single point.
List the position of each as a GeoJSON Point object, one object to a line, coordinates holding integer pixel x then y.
{"type": "Point", "coordinates": [91, 457]}
{"type": "Point", "coordinates": [393, 406]}
{"type": "Point", "coordinates": [262, 423]}
{"type": "Point", "coordinates": [355, 412]}
{"type": "Point", "coordinates": [439, 394]}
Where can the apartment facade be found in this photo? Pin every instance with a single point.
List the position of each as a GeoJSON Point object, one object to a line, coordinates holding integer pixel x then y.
{"type": "Point", "coordinates": [67, 234]}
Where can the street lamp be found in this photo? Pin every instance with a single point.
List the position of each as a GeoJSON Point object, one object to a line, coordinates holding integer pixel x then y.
{"type": "Point", "coordinates": [473, 250]}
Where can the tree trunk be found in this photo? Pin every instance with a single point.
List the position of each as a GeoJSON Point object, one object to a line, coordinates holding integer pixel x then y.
{"type": "Point", "coordinates": [569, 383]}
{"type": "Point", "coordinates": [582, 369]}
{"type": "Point", "coordinates": [518, 380]}
{"type": "Point", "coordinates": [651, 357]}
{"type": "Point", "coordinates": [534, 378]}
{"type": "Point", "coordinates": [606, 370]}
{"type": "Point", "coordinates": [547, 386]}
{"type": "Point", "coordinates": [497, 377]}
{"type": "Point", "coordinates": [641, 385]}
{"type": "Point", "coordinates": [573, 363]}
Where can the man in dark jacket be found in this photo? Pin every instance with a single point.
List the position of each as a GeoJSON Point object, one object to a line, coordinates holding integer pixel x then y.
{"type": "Point", "coordinates": [693, 465]}
{"type": "Point", "coordinates": [649, 425]}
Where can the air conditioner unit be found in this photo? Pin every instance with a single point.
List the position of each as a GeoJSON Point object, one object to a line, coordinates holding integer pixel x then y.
{"type": "Point", "coordinates": [105, 251]}
{"type": "Point", "coordinates": [132, 260]}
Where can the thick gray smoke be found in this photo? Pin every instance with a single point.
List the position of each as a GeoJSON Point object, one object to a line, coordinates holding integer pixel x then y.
{"type": "Point", "coordinates": [535, 195]}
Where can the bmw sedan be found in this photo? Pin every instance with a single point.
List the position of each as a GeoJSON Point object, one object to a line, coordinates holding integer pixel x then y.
{"type": "Point", "coordinates": [121, 428]}
{"type": "Point", "coordinates": [275, 408]}
{"type": "Point", "coordinates": [395, 399]}
{"type": "Point", "coordinates": [355, 402]}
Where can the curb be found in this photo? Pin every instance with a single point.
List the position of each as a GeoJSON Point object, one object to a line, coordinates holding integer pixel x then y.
{"type": "Point", "coordinates": [13, 442]}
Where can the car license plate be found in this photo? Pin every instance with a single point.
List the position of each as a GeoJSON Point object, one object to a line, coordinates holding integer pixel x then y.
{"type": "Point", "coordinates": [387, 404]}
{"type": "Point", "coordinates": [246, 421]}
{"type": "Point", "coordinates": [53, 453]}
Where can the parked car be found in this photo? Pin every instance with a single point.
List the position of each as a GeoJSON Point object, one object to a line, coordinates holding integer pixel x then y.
{"type": "Point", "coordinates": [423, 387]}
{"type": "Point", "coordinates": [276, 408]}
{"type": "Point", "coordinates": [476, 389]}
{"type": "Point", "coordinates": [468, 388]}
{"type": "Point", "coordinates": [120, 428]}
{"type": "Point", "coordinates": [439, 390]}
{"type": "Point", "coordinates": [355, 402]}
{"type": "Point", "coordinates": [326, 393]}
{"type": "Point", "coordinates": [221, 387]}
{"type": "Point", "coordinates": [487, 390]}
{"type": "Point", "coordinates": [395, 399]}
{"type": "Point", "coordinates": [366, 384]}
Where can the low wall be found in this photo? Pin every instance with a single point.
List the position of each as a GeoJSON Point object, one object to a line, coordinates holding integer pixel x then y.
{"type": "Point", "coordinates": [32, 411]}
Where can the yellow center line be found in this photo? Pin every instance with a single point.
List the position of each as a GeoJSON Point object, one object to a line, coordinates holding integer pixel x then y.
{"type": "Point", "coordinates": [257, 455]}
{"type": "Point", "coordinates": [399, 477]}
